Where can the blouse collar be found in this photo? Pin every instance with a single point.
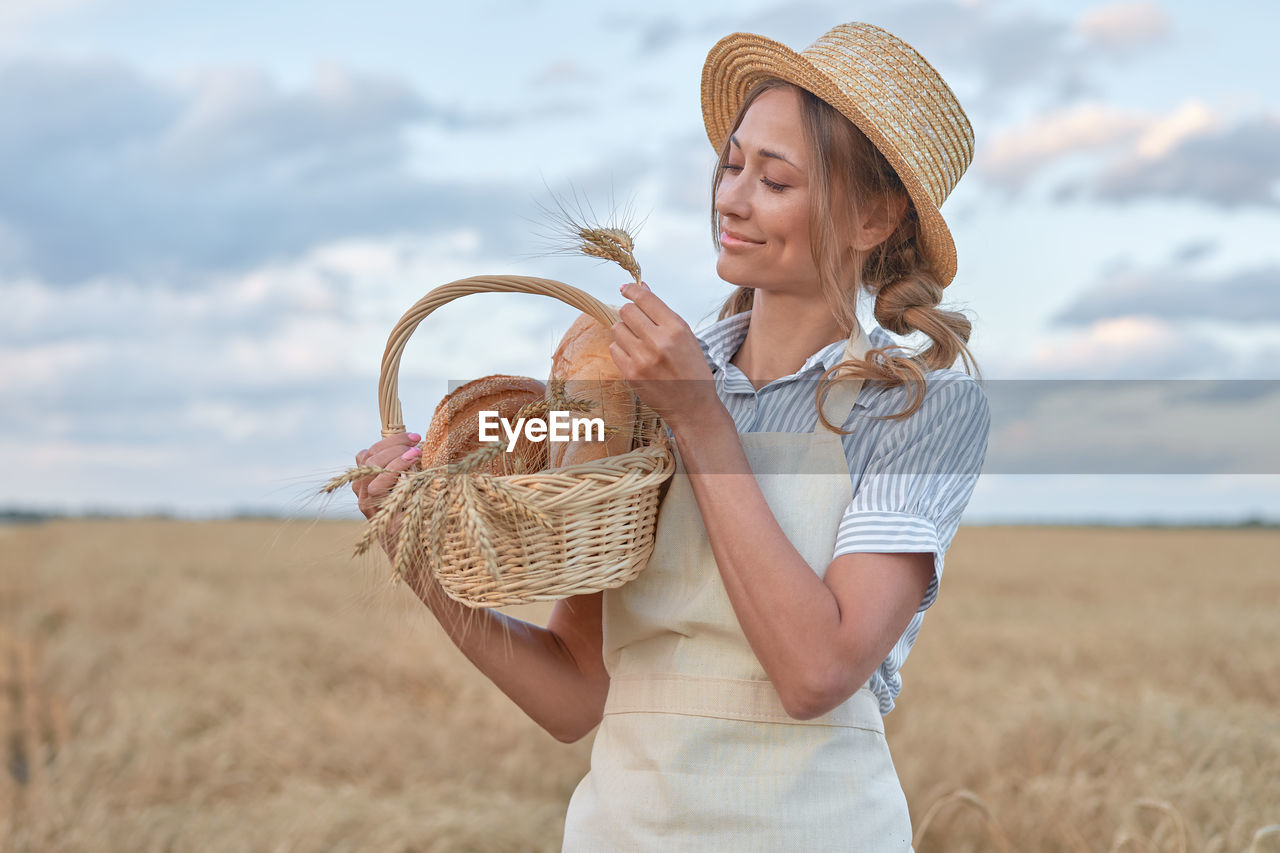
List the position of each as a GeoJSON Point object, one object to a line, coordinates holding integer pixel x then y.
{"type": "Point", "coordinates": [722, 339]}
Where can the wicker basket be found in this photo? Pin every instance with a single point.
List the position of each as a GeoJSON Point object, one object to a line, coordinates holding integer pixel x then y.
{"type": "Point", "coordinates": [601, 514]}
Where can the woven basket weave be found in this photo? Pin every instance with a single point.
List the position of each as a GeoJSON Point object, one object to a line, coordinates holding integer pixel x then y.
{"type": "Point", "coordinates": [602, 513]}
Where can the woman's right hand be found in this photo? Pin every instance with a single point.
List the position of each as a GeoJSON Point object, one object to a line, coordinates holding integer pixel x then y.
{"type": "Point", "coordinates": [396, 453]}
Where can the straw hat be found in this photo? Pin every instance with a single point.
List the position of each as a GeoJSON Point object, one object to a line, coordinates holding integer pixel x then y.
{"type": "Point", "coordinates": [882, 85]}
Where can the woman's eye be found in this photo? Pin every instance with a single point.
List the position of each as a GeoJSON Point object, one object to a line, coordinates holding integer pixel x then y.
{"type": "Point", "coordinates": [773, 185]}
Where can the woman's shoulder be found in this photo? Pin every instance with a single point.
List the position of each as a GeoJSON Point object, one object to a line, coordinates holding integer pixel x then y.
{"type": "Point", "coordinates": [955, 387]}
{"type": "Point", "coordinates": [946, 434]}
{"type": "Point", "coordinates": [948, 393]}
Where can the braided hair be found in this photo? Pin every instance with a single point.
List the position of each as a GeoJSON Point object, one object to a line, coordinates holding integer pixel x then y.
{"type": "Point", "coordinates": [846, 168]}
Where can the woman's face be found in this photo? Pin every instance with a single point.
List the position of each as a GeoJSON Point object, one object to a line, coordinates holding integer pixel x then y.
{"type": "Point", "coordinates": [763, 200]}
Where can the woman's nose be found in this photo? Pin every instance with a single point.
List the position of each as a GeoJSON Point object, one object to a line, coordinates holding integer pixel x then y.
{"type": "Point", "coordinates": [731, 199]}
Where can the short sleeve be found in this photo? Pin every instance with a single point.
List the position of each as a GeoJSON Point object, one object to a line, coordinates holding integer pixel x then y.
{"type": "Point", "coordinates": [920, 476]}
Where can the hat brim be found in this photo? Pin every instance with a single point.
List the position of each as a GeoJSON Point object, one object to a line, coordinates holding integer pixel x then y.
{"type": "Point", "coordinates": [741, 60]}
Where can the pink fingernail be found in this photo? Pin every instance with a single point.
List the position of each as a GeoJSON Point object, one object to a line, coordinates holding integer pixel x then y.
{"type": "Point", "coordinates": [413, 436]}
{"type": "Point", "coordinates": [645, 286]}
{"type": "Point", "coordinates": [622, 288]}
{"type": "Point", "coordinates": [412, 453]}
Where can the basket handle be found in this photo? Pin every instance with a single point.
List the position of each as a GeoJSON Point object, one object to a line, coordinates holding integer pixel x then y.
{"type": "Point", "coordinates": [389, 381]}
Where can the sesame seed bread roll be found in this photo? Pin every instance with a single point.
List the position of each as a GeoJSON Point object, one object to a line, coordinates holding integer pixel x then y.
{"type": "Point", "coordinates": [455, 425]}
{"type": "Point", "coordinates": [583, 361]}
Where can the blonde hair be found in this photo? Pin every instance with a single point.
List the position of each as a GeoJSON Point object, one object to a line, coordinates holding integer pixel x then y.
{"type": "Point", "coordinates": [845, 168]}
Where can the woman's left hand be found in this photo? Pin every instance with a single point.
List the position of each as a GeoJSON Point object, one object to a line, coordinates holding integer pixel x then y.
{"type": "Point", "coordinates": [661, 359]}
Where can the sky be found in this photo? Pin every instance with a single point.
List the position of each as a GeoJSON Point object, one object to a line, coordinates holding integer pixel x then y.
{"type": "Point", "coordinates": [211, 216]}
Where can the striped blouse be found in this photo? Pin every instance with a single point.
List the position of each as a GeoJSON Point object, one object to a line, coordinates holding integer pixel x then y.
{"type": "Point", "coordinates": [911, 478]}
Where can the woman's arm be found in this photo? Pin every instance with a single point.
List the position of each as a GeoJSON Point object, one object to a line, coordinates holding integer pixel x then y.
{"type": "Point", "coordinates": [819, 639]}
{"type": "Point", "coordinates": [555, 674]}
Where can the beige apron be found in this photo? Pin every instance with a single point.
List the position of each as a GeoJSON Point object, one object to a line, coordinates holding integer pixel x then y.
{"type": "Point", "coordinates": [695, 751]}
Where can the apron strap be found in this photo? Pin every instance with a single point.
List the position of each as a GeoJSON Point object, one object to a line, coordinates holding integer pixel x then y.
{"type": "Point", "coordinates": [843, 394]}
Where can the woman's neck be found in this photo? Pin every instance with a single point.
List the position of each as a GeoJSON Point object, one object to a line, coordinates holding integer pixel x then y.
{"type": "Point", "coordinates": [785, 330]}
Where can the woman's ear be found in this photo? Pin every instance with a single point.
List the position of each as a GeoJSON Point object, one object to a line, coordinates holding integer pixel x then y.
{"type": "Point", "coordinates": [880, 218]}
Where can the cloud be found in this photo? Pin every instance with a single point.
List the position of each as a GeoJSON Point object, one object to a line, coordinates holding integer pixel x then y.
{"type": "Point", "coordinates": [1012, 157]}
{"type": "Point", "coordinates": [1129, 347]}
{"type": "Point", "coordinates": [17, 16]}
{"type": "Point", "coordinates": [684, 173]}
{"type": "Point", "coordinates": [658, 35]}
{"type": "Point", "coordinates": [1121, 427]}
{"type": "Point", "coordinates": [562, 72]}
{"type": "Point", "coordinates": [317, 316]}
{"type": "Point", "coordinates": [1192, 153]}
{"type": "Point", "coordinates": [1242, 297]}
{"type": "Point", "coordinates": [793, 23]}
{"type": "Point", "coordinates": [796, 23]}
{"type": "Point", "coordinates": [1124, 26]}
{"type": "Point", "coordinates": [1227, 167]}
{"type": "Point", "coordinates": [991, 55]}
{"type": "Point", "coordinates": [1015, 156]}
{"type": "Point", "coordinates": [1194, 250]}
{"type": "Point", "coordinates": [1023, 52]}
{"type": "Point", "coordinates": [269, 374]}
{"type": "Point", "coordinates": [988, 52]}
{"type": "Point", "coordinates": [114, 174]}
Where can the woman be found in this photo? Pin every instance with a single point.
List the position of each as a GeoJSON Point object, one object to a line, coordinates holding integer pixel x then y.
{"type": "Point", "coordinates": [739, 682]}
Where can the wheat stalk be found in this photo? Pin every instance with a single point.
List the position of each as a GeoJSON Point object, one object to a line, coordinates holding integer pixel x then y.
{"type": "Point", "coordinates": [515, 506]}
{"type": "Point", "coordinates": [474, 526]}
{"type": "Point", "coordinates": [409, 551]}
{"type": "Point", "coordinates": [350, 476]}
{"type": "Point", "coordinates": [381, 520]}
{"type": "Point", "coordinates": [970, 800]}
{"type": "Point", "coordinates": [576, 231]}
{"type": "Point", "coordinates": [1126, 836]}
{"type": "Point", "coordinates": [1273, 829]}
{"type": "Point", "coordinates": [437, 522]}
{"type": "Point", "coordinates": [610, 244]}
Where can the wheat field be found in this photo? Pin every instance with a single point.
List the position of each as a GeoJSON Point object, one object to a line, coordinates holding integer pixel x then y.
{"type": "Point", "coordinates": [248, 686]}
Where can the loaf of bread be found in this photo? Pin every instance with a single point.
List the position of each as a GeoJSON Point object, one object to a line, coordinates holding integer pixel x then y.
{"type": "Point", "coordinates": [455, 425]}
{"type": "Point", "coordinates": [583, 361]}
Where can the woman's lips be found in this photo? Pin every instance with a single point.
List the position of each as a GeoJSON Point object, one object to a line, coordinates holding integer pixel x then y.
{"type": "Point", "coordinates": [733, 241]}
